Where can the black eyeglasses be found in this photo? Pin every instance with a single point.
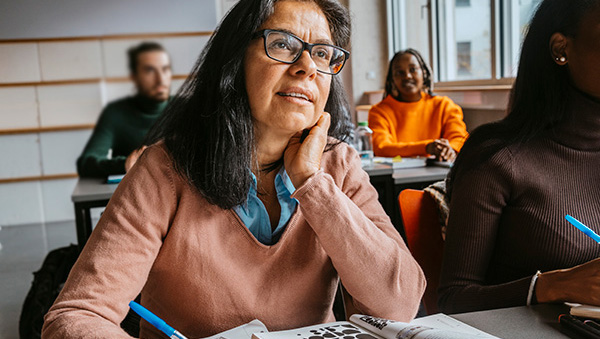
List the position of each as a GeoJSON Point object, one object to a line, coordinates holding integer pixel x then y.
{"type": "Point", "coordinates": [287, 48]}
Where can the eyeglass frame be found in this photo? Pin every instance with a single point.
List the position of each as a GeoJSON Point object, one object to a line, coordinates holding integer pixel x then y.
{"type": "Point", "coordinates": [305, 47]}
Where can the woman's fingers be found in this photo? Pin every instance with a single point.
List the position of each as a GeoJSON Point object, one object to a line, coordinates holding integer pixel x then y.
{"type": "Point", "coordinates": [444, 150]}
{"type": "Point", "coordinates": [303, 159]}
{"type": "Point", "coordinates": [579, 284]}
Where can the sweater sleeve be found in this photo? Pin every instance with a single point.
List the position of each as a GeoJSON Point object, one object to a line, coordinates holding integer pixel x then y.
{"type": "Point", "coordinates": [116, 261]}
{"type": "Point", "coordinates": [453, 125]}
{"type": "Point", "coordinates": [478, 199]}
{"type": "Point", "coordinates": [384, 144]}
{"type": "Point", "coordinates": [369, 255]}
{"type": "Point", "coordinates": [93, 161]}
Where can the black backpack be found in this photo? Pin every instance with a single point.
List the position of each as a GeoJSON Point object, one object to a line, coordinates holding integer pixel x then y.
{"type": "Point", "coordinates": [47, 284]}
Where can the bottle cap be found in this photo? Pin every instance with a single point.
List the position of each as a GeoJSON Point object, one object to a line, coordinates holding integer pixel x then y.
{"type": "Point", "coordinates": [363, 123]}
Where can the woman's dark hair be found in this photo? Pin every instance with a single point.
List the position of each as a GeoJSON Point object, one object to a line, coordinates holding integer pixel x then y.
{"type": "Point", "coordinates": [540, 91]}
{"type": "Point", "coordinates": [389, 79]}
{"type": "Point", "coordinates": [208, 126]}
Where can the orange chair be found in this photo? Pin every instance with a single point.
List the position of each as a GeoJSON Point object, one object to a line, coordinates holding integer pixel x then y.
{"type": "Point", "coordinates": [420, 217]}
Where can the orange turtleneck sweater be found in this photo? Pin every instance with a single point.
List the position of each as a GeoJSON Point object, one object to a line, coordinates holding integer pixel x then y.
{"type": "Point", "coordinates": [405, 128]}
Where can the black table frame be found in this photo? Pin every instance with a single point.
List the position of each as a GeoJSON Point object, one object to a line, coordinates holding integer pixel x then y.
{"type": "Point", "coordinates": [83, 219]}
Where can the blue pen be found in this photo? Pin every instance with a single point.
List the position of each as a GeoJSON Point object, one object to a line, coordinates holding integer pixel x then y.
{"type": "Point", "coordinates": [583, 228]}
{"type": "Point", "coordinates": [156, 321]}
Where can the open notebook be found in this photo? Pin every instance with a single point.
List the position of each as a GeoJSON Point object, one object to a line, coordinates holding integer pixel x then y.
{"type": "Point", "coordinates": [436, 326]}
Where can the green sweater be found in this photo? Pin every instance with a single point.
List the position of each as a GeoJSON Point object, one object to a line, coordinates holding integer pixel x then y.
{"type": "Point", "coordinates": [122, 126]}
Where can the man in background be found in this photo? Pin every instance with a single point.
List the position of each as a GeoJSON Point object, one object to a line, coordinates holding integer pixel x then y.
{"type": "Point", "coordinates": [116, 142]}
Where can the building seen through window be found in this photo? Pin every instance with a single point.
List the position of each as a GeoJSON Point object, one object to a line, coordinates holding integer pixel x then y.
{"type": "Point", "coordinates": [463, 40]}
{"type": "Point", "coordinates": [463, 3]}
{"type": "Point", "coordinates": [463, 58]}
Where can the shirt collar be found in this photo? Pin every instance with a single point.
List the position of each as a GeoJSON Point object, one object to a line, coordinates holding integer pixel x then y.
{"type": "Point", "coordinates": [283, 183]}
{"type": "Point", "coordinates": [283, 186]}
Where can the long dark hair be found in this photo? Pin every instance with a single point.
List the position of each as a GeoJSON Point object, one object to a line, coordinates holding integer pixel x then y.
{"type": "Point", "coordinates": [208, 127]}
{"type": "Point", "coordinates": [540, 92]}
{"type": "Point", "coordinates": [389, 79]}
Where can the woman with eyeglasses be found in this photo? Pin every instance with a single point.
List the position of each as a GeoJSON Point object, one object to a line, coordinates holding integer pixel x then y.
{"type": "Point", "coordinates": [411, 120]}
{"type": "Point", "coordinates": [249, 206]}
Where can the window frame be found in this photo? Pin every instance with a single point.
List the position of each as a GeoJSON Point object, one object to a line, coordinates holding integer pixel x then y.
{"type": "Point", "coordinates": [502, 16]}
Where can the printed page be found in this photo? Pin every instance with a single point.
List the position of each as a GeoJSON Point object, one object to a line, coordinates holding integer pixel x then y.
{"type": "Point", "coordinates": [444, 322]}
{"type": "Point", "coordinates": [437, 326]}
{"type": "Point", "coordinates": [242, 332]}
{"type": "Point", "coordinates": [340, 329]}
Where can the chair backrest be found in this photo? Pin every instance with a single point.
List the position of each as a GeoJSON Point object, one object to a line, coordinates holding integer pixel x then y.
{"type": "Point", "coordinates": [420, 217]}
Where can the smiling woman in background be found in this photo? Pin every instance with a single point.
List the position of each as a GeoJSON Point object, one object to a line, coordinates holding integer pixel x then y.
{"type": "Point", "coordinates": [411, 120]}
{"type": "Point", "coordinates": [507, 240]}
{"type": "Point", "coordinates": [250, 206]}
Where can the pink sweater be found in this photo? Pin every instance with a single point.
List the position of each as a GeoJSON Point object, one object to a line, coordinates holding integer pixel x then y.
{"type": "Point", "coordinates": [202, 271]}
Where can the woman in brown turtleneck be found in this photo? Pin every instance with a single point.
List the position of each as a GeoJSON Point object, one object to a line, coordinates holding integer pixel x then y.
{"type": "Point", "coordinates": [515, 180]}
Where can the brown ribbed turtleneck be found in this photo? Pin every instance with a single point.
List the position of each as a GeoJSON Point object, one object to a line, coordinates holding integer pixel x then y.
{"type": "Point", "coordinates": [507, 216]}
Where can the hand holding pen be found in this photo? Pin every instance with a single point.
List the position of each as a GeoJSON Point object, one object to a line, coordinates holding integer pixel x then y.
{"type": "Point", "coordinates": [579, 284]}
{"type": "Point", "coordinates": [156, 321]}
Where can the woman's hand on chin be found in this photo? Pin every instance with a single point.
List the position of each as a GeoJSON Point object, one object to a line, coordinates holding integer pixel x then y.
{"type": "Point", "coordinates": [302, 160]}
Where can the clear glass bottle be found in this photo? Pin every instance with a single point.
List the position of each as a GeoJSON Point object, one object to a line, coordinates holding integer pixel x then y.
{"type": "Point", "coordinates": [363, 138]}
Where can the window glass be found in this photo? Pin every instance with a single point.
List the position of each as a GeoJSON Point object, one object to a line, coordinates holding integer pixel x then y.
{"type": "Point", "coordinates": [519, 13]}
{"type": "Point", "coordinates": [464, 40]}
{"type": "Point", "coordinates": [461, 35]}
{"type": "Point", "coordinates": [412, 26]}
{"type": "Point", "coordinates": [417, 36]}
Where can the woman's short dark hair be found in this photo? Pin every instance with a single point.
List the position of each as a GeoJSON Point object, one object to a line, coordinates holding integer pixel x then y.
{"type": "Point", "coordinates": [135, 51]}
{"type": "Point", "coordinates": [541, 89]}
{"type": "Point", "coordinates": [427, 74]}
{"type": "Point", "coordinates": [208, 127]}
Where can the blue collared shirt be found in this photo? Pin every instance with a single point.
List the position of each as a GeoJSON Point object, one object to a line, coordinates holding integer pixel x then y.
{"type": "Point", "coordinates": [254, 214]}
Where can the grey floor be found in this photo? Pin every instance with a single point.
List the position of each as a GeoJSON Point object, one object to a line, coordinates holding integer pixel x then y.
{"type": "Point", "coordinates": [24, 248]}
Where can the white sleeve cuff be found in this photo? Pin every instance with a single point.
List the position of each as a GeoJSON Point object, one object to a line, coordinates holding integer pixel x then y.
{"type": "Point", "coordinates": [532, 287]}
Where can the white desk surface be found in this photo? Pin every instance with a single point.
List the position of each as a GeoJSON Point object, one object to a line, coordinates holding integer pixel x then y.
{"type": "Point", "coordinates": [378, 169]}
{"type": "Point", "coordinates": [537, 321]}
{"type": "Point", "coordinates": [409, 175]}
{"type": "Point", "coordinates": [419, 174]}
{"type": "Point", "coordinates": [90, 189]}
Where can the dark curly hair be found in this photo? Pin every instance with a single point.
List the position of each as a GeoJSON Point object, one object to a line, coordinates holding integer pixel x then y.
{"type": "Point", "coordinates": [427, 74]}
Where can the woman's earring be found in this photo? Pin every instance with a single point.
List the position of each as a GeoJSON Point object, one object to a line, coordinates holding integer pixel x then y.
{"type": "Point", "coordinates": [561, 59]}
